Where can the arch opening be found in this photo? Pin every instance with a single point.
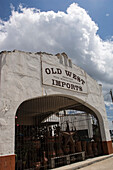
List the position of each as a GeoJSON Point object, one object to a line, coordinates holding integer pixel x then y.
{"type": "Point", "coordinates": [49, 128]}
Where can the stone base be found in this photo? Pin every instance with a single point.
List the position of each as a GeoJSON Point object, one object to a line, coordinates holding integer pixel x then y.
{"type": "Point", "coordinates": [7, 162]}
{"type": "Point", "coordinates": [107, 147]}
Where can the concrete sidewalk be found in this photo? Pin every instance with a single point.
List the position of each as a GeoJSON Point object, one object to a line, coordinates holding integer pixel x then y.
{"type": "Point", "coordinates": [84, 163]}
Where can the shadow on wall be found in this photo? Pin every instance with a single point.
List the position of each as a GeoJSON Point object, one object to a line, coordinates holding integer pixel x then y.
{"type": "Point", "coordinates": [1, 65]}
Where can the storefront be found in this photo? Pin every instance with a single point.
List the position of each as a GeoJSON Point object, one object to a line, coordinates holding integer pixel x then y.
{"type": "Point", "coordinates": [35, 86]}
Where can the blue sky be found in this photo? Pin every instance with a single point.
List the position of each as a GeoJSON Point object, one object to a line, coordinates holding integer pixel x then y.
{"type": "Point", "coordinates": [100, 11]}
{"type": "Point", "coordinates": [89, 43]}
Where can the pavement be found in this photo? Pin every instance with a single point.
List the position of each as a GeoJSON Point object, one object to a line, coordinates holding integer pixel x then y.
{"type": "Point", "coordinates": [96, 163]}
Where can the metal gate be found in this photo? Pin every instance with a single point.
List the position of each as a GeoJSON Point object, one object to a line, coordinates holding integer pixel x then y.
{"type": "Point", "coordinates": [46, 137]}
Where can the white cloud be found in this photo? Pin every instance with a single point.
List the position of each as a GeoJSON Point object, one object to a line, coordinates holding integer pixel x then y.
{"type": "Point", "coordinates": [110, 125]}
{"type": "Point", "coordinates": [72, 32]}
{"type": "Point", "coordinates": [107, 15]}
{"type": "Point", "coordinates": [110, 106]}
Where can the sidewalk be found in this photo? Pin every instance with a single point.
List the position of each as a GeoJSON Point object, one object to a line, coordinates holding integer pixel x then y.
{"type": "Point", "coordinates": [84, 163]}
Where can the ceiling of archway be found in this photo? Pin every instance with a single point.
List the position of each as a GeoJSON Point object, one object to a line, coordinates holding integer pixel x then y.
{"type": "Point", "coordinates": [44, 106]}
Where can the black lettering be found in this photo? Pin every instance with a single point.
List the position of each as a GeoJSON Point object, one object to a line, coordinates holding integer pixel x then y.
{"type": "Point", "coordinates": [83, 82]}
{"type": "Point", "coordinates": [59, 71]}
{"type": "Point", "coordinates": [68, 85]}
{"type": "Point", "coordinates": [53, 71]}
{"type": "Point", "coordinates": [75, 76]}
{"type": "Point", "coordinates": [63, 84]}
{"type": "Point", "coordinates": [53, 82]}
{"type": "Point", "coordinates": [48, 71]}
{"type": "Point", "coordinates": [58, 83]}
{"type": "Point", "coordinates": [76, 87]}
{"type": "Point", "coordinates": [68, 73]}
{"type": "Point", "coordinates": [72, 86]}
{"type": "Point", "coordinates": [78, 79]}
{"type": "Point", "coordinates": [80, 88]}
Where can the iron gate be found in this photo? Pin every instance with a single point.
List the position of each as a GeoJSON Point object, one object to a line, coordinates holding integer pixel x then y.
{"type": "Point", "coordinates": [54, 139]}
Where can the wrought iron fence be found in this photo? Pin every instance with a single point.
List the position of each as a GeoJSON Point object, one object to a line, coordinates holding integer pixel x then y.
{"type": "Point", "coordinates": [55, 141]}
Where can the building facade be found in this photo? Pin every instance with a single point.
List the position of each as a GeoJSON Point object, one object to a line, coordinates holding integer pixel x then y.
{"type": "Point", "coordinates": [41, 84]}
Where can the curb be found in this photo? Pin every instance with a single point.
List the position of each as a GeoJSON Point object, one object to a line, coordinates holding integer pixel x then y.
{"type": "Point", "coordinates": [84, 163]}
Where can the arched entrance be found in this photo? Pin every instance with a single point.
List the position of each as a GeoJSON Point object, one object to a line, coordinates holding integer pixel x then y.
{"type": "Point", "coordinates": [54, 130]}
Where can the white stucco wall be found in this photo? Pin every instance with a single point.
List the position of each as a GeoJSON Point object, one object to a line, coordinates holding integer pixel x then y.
{"type": "Point", "coordinates": [20, 75]}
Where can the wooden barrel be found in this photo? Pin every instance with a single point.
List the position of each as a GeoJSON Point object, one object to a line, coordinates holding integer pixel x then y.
{"type": "Point", "coordinates": [84, 147]}
{"type": "Point", "coordinates": [89, 149]}
{"type": "Point", "coordinates": [84, 143]}
{"type": "Point", "coordinates": [94, 147]}
{"type": "Point", "coordinates": [72, 148]}
{"type": "Point", "coordinates": [78, 147]}
{"type": "Point", "coordinates": [66, 149]}
{"type": "Point", "coordinates": [58, 148]}
{"type": "Point", "coordinates": [50, 147]}
{"type": "Point", "coordinates": [99, 147]}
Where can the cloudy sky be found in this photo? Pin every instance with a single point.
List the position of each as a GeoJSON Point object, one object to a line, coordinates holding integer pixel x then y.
{"type": "Point", "coordinates": [81, 28]}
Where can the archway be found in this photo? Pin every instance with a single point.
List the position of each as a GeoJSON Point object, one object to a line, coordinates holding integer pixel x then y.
{"type": "Point", "coordinates": [42, 127]}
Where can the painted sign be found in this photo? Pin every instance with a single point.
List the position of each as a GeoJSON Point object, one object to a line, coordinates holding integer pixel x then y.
{"type": "Point", "coordinates": [63, 78]}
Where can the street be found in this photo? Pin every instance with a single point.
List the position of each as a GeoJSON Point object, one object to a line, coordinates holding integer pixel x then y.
{"type": "Point", "coordinates": [106, 164]}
